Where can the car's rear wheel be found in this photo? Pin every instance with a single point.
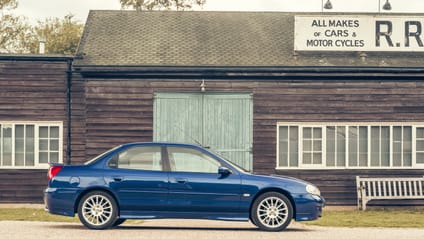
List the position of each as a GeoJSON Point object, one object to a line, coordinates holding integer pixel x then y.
{"type": "Point", "coordinates": [272, 211]}
{"type": "Point", "coordinates": [97, 210]}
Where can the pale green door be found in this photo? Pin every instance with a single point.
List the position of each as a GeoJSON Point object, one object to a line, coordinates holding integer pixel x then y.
{"type": "Point", "coordinates": [221, 121]}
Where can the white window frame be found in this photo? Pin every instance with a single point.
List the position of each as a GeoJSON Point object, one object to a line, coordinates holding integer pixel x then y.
{"type": "Point", "coordinates": [324, 126]}
{"type": "Point", "coordinates": [37, 164]}
{"type": "Point", "coordinates": [323, 147]}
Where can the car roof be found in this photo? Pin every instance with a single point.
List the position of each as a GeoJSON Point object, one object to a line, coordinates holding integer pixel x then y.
{"type": "Point", "coordinates": [162, 144]}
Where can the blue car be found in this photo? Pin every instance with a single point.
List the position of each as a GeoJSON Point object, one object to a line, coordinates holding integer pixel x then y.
{"type": "Point", "coordinates": [170, 180]}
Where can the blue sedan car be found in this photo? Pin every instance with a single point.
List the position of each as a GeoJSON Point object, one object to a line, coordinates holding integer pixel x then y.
{"type": "Point", "coordinates": [169, 180]}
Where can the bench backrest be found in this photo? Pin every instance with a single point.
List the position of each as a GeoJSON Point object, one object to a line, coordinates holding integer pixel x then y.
{"type": "Point", "coordinates": [391, 188]}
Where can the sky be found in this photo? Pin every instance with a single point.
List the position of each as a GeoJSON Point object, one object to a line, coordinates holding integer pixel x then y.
{"type": "Point", "coordinates": [40, 9]}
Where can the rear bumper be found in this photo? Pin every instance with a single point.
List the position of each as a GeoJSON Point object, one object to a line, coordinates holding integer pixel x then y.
{"type": "Point", "coordinates": [309, 207]}
{"type": "Point", "coordinates": [59, 202]}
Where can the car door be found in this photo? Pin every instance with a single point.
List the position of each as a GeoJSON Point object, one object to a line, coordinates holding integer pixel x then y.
{"type": "Point", "coordinates": [137, 177]}
{"type": "Point", "coordinates": [196, 186]}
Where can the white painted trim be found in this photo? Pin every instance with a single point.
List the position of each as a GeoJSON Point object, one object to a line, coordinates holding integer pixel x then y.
{"type": "Point", "coordinates": [37, 124]}
{"type": "Point", "coordinates": [369, 125]}
{"type": "Point", "coordinates": [350, 168]}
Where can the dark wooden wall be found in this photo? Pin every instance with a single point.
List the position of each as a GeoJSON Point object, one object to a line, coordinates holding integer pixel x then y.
{"type": "Point", "coordinates": [30, 90]}
{"type": "Point", "coordinates": [121, 110]}
{"type": "Point", "coordinates": [110, 111]}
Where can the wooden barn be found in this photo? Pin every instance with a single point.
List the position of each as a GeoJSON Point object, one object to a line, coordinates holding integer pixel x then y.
{"type": "Point", "coordinates": [255, 87]}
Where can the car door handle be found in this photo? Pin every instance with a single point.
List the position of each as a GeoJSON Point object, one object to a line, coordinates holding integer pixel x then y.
{"type": "Point", "coordinates": [180, 180]}
{"type": "Point", "coordinates": [118, 179]}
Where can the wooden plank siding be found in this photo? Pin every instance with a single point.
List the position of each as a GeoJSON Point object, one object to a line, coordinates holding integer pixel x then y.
{"type": "Point", "coordinates": [121, 110]}
{"type": "Point", "coordinates": [31, 90]}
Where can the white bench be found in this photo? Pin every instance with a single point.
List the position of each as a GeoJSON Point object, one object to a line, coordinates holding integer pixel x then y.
{"type": "Point", "coordinates": [388, 188]}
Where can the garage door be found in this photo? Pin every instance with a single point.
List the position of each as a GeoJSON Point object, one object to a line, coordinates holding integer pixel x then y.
{"type": "Point", "coordinates": [220, 121]}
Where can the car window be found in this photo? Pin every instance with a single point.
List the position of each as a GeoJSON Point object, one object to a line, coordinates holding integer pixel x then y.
{"type": "Point", "coordinates": [140, 157]}
{"type": "Point", "coordinates": [191, 160]}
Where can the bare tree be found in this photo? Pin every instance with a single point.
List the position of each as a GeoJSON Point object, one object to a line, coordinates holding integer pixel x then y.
{"type": "Point", "coordinates": [161, 4]}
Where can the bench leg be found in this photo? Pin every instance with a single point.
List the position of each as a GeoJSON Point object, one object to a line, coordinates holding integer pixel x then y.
{"type": "Point", "coordinates": [364, 204]}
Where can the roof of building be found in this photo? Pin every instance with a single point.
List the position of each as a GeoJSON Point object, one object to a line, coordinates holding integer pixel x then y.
{"type": "Point", "coordinates": [190, 38]}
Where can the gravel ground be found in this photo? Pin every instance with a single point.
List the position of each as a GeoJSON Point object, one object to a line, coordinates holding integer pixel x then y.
{"type": "Point", "coordinates": [195, 229]}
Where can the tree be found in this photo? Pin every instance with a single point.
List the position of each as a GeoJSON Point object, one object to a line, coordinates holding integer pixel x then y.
{"type": "Point", "coordinates": [11, 27]}
{"type": "Point", "coordinates": [61, 35]}
{"type": "Point", "coordinates": [161, 4]}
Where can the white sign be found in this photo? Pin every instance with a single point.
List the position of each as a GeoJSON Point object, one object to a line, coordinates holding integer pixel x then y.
{"type": "Point", "coordinates": [359, 33]}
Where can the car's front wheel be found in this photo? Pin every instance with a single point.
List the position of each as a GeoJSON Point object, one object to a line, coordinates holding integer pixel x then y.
{"type": "Point", "coordinates": [97, 210]}
{"type": "Point", "coordinates": [272, 211]}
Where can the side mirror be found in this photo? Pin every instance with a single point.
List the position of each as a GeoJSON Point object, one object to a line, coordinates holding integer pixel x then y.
{"type": "Point", "coordinates": [224, 171]}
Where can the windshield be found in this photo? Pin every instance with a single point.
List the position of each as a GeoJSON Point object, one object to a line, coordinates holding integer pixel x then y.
{"type": "Point", "coordinates": [101, 155]}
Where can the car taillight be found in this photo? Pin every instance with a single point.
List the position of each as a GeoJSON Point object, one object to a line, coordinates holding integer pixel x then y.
{"type": "Point", "coordinates": [53, 171]}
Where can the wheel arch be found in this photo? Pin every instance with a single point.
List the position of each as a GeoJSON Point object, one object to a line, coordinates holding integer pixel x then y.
{"type": "Point", "coordinates": [277, 190]}
{"type": "Point", "coordinates": [88, 190]}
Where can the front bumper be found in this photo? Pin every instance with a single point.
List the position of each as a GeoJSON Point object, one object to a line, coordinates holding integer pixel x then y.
{"type": "Point", "coordinates": [308, 207]}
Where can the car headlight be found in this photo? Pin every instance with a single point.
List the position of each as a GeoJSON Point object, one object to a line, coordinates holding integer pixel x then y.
{"type": "Point", "coordinates": [312, 190]}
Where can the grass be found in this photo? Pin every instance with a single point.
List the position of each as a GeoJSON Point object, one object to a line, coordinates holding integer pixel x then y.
{"type": "Point", "coordinates": [30, 214]}
{"type": "Point", "coordinates": [348, 218]}
{"type": "Point", "coordinates": [372, 218]}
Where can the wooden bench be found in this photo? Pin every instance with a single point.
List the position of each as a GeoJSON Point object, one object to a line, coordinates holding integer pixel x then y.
{"type": "Point", "coordinates": [388, 188]}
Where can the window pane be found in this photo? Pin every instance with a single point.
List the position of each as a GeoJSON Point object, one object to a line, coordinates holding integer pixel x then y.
{"type": "Point", "coordinates": [397, 146]}
{"type": "Point", "coordinates": [385, 146]}
{"type": "Point", "coordinates": [141, 158]}
{"type": "Point", "coordinates": [341, 146]}
{"type": "Point", "coordinates": [307, 145]}
{"type": "Point", "coordinates": [375, 146]}
{"type": "Point", "coordinates": [43, 144]}
{"type": "Point", "coordinates": [420, 145]}
{"type": "Point", "coordinates": [29, 159]}
{"type": "Point", "coordinates": [1, 142]}
{"type": "Point", "coordinates": [317, 158]}
{"type": "Point", "coordinates": [7, 145]}
{"type": "Point", "coordinates": [420, 133]}
{"type": "Point", "coordinates": [420, 158]}
{"type": "Point", "coordinates": [317, 146]}
{"type": "Point", "coordinates": [317, 133]}
{"type": "Point", "coordinates": [29, 145]}
{"type": "Point", "coordinates": [307, 158]}
{"type": "Point", "coordinates": [283, 146]}
{"type": "Point", "coordinates": [353, 146]}
{"type": "Point", "coordinates": [191, 160]}
{"type": "Point", "coordinates": [54, 132]}
{"type": "Point", "coordinates": [19, 159]}
{"type": "Point", "coordinates": [397, 154]}
{"type": "Point", "coordinates": [19, 131]}
{"type": "Point", "coordinates": [19, 145]}
{"type": "Point", "coordinates": [43, 132]}
{"type": "Point", "coordinates": [43, 157]}
{"type": "Point", "coordinates": [363, 146]}
{"type": "Point", "coordinates": [307, 133]}
{"type": "Point", "coordinates": [294, 146]}
{"type": "Point", "coordinates": [407, 146]}
{"type": "Point", "coordinates": [54, 145]}
{"type": "Point", "coordinates": [54, 157]}
{"type": "Point", "coordinates": [331, 146]}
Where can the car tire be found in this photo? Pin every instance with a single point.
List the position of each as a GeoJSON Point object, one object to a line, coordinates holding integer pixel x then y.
{"type": "Point", "coordinates": [272, 211]}
{"type": "Point", "coordinates": [97, 210]}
